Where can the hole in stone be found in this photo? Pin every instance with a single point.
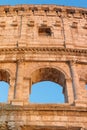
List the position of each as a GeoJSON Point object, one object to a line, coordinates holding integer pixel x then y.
{"type": "Point", "coordinates": [44, 31]}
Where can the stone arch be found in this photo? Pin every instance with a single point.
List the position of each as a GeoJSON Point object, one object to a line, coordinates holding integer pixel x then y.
{"type": "Point", "coordinates": [7, 76]}
{"type": "Point", "coordinates": [54, 74]}
{"type": "Point", "coordinates": [7, 69]}
{"type": "Point", "coordinates": [4, 75]}
{"type": "Point", "coordinates": [48, 73]}
{"type": "Point", "coordinates": [67, 76]}
{"type": "Point", "coordinates": [4, 84]}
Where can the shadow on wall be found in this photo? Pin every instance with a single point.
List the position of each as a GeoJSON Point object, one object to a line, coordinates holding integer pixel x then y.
{"type": "Point", "coordinates": [46, 92]}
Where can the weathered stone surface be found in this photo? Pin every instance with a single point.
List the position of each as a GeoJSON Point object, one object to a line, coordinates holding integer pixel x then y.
{"type": "Point", "coordinates": [37, 43]}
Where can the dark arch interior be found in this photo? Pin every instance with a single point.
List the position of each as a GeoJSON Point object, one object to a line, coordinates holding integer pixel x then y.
{"type": "Point", "coordinates": [4, 76]}
{"type": "Point", "coordinates": [48, 74]}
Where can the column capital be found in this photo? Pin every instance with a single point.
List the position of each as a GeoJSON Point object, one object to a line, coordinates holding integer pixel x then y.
{"type": "Point", "coordinates": [20, 60]}
{"type": "Point", "coordinates": [68, 79]}
{"type": "Point", "coordinates": [73, 62]}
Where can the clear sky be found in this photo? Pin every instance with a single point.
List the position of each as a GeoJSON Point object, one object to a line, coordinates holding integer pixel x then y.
{"type": "Point", "coordinates": [78, 3]}
{"type": "Point", "coordinates": [47, 91]}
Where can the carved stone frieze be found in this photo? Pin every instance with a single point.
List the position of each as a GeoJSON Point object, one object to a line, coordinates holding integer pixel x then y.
{"type": "Point", "coordinates": [37, 50]}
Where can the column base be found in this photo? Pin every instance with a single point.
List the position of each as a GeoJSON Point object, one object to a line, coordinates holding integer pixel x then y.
{"type": "Point", "coordinates": [17, 102]}
{"type": "Point", "coordinates": [80, 103]}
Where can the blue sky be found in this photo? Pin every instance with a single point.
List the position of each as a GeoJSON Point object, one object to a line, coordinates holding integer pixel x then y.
{"type": "Point", "coordinates": [78, 3]}
{"type": "Point", "coordinates": [41, 91]}
{"type": "Point", "coordinates": [47, 92]}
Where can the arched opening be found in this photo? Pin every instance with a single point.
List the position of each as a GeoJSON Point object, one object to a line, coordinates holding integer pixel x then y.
{"type": "Point", "coordinates": [86, 86]}
{"type": "Point", "coordinates": [51, 83]}
{"type": "Point", "coordinates": [4, 85]}
{"type": "Point", "coordinates": [4, 88]}
{"type": "Point", "coordinates": [46, 92]}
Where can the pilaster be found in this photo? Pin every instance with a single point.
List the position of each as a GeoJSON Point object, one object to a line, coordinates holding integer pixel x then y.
{"type": "Point", "coordinates": [26, 89]}
{"type": "Point", "coordinates": [69, 91]}
{"type": "Point", "coordinates": [11, 90]}
{"type": "Point", "coordinates": [18, 92]}
{"type": "Point", "coordinates": [75, 80]}
{"type": "Point", "coordinates": [76, 86]}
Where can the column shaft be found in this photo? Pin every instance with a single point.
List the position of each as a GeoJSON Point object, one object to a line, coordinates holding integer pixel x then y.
{"type": "Point", "coordinates": [69, 91]}
{"type": "Point", "coordinates": [19, 81]}
{"type": "Point", "coordinates": [75, 79]}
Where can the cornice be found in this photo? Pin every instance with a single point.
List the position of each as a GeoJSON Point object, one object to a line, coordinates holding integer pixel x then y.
{"type": "Point", "coordinates": [32, 9]}
{"type": "Point", "coordinates": [44, 50]}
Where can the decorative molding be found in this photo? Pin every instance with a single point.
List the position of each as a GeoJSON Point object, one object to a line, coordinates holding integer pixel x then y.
{"type": "Point", "coordinates": [2, 24]}
{"type": "Point", "coordinates": [32, 9]}
{"type": "Point", "coordinates": [40, 50]}
{"type": "Point", "coordinates": [85, 26]}
{"type": "Point", "coordinates": [74, 25]}
{"type": "Point", "coordinates": [30, 23]}
{"type": "Point", "coordinates": [57, 24]}
{"type": "Point", "coordinates": [14, 23]}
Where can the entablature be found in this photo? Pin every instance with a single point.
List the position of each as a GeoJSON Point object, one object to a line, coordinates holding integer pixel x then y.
{"type": "Point", "coordinates": [49, 54]}
{"type": "Point", "coordinates": [46, 9]}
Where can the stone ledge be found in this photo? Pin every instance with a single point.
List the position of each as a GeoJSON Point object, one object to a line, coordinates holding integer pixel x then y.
{"type": "Point", "coordinates": [41, 50]}
{"type": "Point", "coordinates": [17, 102]}
{"type": "Point", "coordinates": [80, 103]}
{"type": "Point", "coordinates": [29, 9]}
{"type": "Point", "coordinates": [48, 107]}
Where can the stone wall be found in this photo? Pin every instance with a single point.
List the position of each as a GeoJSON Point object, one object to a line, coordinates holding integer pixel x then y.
{"type": "Point", "coordinates": [37, 43]}
{"type": "Point", "coordinates": [43, 117]}
{"type": "Point", "coordinates": [19, 26]}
